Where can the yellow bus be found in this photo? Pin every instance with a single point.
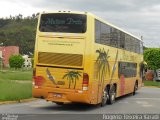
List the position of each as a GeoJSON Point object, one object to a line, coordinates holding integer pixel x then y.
{"type": "Point", "coordinates": [81, 58]}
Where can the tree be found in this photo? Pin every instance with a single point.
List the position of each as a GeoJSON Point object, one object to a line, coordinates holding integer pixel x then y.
{"type": "Point", "coordinates": [16, 61]}
{"type": "Point", "coordinates": [152, 57]}
{"type": "Point", "coordinates": [19, 31]}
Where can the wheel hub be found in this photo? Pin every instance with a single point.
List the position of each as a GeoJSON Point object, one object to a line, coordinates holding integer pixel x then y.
{"type": "Point", "coordinates": [113, 96]}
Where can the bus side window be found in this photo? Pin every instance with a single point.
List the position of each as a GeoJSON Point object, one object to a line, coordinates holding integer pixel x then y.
{"type": "Point", "coordinates": [97, 31]}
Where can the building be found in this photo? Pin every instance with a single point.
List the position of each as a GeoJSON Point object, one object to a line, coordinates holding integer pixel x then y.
{"type": "Point", "coordinates": [7, 51]}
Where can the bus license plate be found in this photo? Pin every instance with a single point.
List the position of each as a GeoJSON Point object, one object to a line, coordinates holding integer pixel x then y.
{"type": "Point", "coordinates": [57, 95]}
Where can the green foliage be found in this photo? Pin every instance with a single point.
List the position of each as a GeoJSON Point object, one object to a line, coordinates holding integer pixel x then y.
{"type": "Point", "coordinates": [152, 57]}
{"type": "Point", "coordinates": [16, 61]}
{"type": "Point", "coordinates": [19, 31]}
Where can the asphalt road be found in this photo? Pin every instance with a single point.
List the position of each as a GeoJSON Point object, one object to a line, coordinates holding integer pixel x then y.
{"type": "Point", "coordinates": [147, 100]}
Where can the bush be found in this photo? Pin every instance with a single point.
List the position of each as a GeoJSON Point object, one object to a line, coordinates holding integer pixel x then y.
{"type": "Point", "coordinates": [152, 57]}
{"type": "Point", "coordinates": [16, 61]}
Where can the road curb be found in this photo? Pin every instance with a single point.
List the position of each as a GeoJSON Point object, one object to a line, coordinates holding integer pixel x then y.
{"type": "Point", "coordinates": [151, 87]}
{"type": "Point", "coordinates": [18, 101]}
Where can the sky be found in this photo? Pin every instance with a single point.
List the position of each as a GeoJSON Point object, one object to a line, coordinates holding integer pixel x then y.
{"type": "Point", "coordinates": [138, 17]}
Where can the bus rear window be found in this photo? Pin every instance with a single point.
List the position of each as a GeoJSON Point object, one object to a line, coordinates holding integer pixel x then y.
{"type": "Point", "coordinates": [62, 22]}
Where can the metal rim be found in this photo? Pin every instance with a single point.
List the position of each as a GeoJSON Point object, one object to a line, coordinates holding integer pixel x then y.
{"type": "Point", "coordinates": [104, 98]}
{"type": "Point", "coordinates": [113, 96]}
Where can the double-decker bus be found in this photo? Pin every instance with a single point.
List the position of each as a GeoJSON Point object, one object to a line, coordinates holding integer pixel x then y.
{"type": "Point", "coordinates": [82, 58]}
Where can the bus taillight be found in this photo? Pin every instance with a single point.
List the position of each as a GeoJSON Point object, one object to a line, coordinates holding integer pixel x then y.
{"type": "Point", "coordinates": [85, 81]}
{"type": "Point", "coordinates": [38, 80]}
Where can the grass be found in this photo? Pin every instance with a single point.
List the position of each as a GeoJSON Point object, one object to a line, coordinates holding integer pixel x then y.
{"type": "Point", "coordinates": [16, 75]}
{"type": "Point", "coordinates": [152, 83]}
{"type": "Point", "coordinates": [12, 90]}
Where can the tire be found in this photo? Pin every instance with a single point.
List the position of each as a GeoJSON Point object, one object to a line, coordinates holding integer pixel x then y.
{"type": "Point", "coordinates": [112, 95]}
{"type": "Point", "coordinates": [135, 88]}
{"type": "Point", "coordinates": [104, 98]}
{"type": "Point", "coordinates": [59, 103]}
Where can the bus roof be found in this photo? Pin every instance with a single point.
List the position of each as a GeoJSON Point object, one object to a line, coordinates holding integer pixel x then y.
{"type": "Point", "coordinates": [98, 18]}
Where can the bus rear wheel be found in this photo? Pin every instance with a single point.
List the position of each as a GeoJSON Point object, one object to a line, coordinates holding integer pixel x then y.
{"type": "Point", "coordinates": [135, 88]}
{"type": "Point", "coordinates": [104, 98]}
{"type": "Point", "coordinates": [112, 95]}
{"type": "Point", "coordinates": [59, 103]}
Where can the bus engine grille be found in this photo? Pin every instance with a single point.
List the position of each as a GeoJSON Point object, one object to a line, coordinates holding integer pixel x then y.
{"type": "Point", "coordinates": [60, 59]}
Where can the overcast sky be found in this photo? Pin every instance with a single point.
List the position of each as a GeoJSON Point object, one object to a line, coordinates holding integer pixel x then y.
{"type": "Point", "coordinates": [139, 17]}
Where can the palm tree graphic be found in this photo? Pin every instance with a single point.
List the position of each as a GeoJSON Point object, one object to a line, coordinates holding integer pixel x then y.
{"type": "Point", "coordinates": [72, 76]}
{"type": "Point", "coordinates": [103, 64]}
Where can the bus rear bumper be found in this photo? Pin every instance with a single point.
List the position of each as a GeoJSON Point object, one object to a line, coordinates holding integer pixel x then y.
{"type": "Point", "coordinates": [61, 95]}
